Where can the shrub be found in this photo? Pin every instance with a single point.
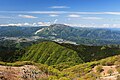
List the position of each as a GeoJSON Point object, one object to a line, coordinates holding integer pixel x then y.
{"type": "Point", "coordinates": [110, 72]}
{"type": "Point", "coordinates": [52, 78]}
{"type": "Point", "coordinates": [99, 68]}
{"type": "Point", "coordinates": [90, 76]}
{"type": "Point", "coordinates": [118, 69]}
{"type": "Point", "coordinates": [64, 78]}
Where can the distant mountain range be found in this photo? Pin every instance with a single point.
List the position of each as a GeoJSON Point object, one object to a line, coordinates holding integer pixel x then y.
{"type": "Point", "coordinates": [59, 31]}
{"type": "Point", "coordinates": [14, 31]}
{"type": "Point", "coordinates": [81, 35]}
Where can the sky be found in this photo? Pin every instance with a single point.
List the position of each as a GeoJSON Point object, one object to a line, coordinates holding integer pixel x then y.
{"type": "Point", "coordinates": [79, 13]}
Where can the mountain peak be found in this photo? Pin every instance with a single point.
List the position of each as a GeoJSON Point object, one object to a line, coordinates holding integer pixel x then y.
{"type": "Point", "coordinates": [53, 29]}
{"type": "Point", "coordinates": [58, 25]}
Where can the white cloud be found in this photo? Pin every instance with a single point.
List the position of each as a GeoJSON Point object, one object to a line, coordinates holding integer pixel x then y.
{"type": "Point", "coordinates": [47, 12]}
{"type": "Point", "coordinates": [27, 16]}
{"type": "Point", "coordinates": [62, 12]}
{"type": "Point", "coordinates": [11, 24]}
{"type": "Point", "coordinates": [20, 24]}
{"type": "Point", "coordinates": [92, 18]}
{"type": "Point", "coordinates": [88, 18]}
{"type": "Point", "coordinates": [44, 23]}
{"type": "Point", "coordinates": [113, 13]}
{"type": "Point", "coordinates": [74, 16]}
{"type": "Point", "coordinates": [59, 7]}
{"type": "Point", "coordinates": [93, 25]}
{"type": "Point", "coordinates": [75, 12]}
{"type": "Point", "coordinates": [53, 15]}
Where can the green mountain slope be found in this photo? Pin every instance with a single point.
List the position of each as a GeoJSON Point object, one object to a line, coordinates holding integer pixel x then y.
{"type": "Point", "coordinates": [51, 53]}
{"type": "Point", "coordinates": [93, 53]}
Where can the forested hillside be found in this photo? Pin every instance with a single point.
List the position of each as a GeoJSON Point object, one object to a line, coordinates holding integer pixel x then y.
{"type": "Point", "coordinates": [60, 55]}
{"type": "Point", "coordinates": [51, 53]}
{"type": "Point", "coordinates": [93, 53]}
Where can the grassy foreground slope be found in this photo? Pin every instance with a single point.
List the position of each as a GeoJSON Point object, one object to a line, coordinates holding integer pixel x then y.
{"type": "Point", "coordinates": [78, 72]}
{"type": "Point", "coordinates": [51, 53]}
{"type": "Point", "coordinates": [85, 71]}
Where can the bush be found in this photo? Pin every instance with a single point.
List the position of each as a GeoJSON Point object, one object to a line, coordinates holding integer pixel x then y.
{"type": "Point", "coordinates": [118, 69]}
{"type": "Point", "coordinates": [52, 78]}
{"type": "Point", "coordinates": [64, 78]}
{"type": "Point", "coordinates": [99, 68]}
{"type": "Point", "coordinates": [110, 72]}
{"type": "Point", "coordinates": [90, 76]}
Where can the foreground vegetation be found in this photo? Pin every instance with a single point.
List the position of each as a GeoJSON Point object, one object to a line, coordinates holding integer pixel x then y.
{"type": "Point", "coordinates": [77, 72]}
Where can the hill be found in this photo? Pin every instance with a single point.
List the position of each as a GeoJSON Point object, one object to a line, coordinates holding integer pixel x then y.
{"type": "Point", "coordinates": [62, 56]}
{"type": "Point", "coordinates": [92, 53]}
{"type": "Point", "coordinates": [51, 53]}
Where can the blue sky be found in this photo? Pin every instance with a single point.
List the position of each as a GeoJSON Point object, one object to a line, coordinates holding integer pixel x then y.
{"type": "Point", "coordinates": [81, 13]}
